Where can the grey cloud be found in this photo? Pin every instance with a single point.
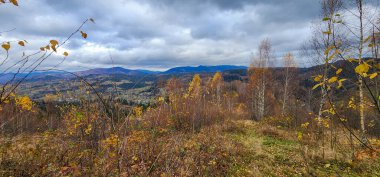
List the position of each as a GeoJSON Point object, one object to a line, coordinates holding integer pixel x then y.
{"type": "Point", "coordinates": [161, 33]}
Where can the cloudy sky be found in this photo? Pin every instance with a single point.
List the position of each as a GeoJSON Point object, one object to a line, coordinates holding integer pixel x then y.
{"type": "Point", "coordinates": [159, 34]}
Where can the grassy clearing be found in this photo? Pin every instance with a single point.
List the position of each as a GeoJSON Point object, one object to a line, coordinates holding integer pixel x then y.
{"type": "Point", "coordinates": [281, 155]}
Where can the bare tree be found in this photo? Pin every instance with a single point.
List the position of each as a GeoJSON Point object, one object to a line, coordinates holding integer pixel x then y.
{"type": "Point", "coordinates": [289, 74]}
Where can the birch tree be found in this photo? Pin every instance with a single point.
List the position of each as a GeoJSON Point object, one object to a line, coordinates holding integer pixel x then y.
{"type": "Point", "coordinates": [289, 74]}
{"type": "Point", "coordinates": [259, 75]}
{"type": "Point", "coordinates": [361, 29]}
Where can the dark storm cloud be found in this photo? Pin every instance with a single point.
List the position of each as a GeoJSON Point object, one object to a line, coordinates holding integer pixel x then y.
{"type": "Point", "coordinates": [161, 33]}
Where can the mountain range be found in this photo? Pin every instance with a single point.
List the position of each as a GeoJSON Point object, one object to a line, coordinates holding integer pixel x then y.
{"type": "Point", "coordinates": [138, 85]}
{"type": "Point", "coordinates": [120, 71]}
{"type": "Point", "coordinates": [176, 70]}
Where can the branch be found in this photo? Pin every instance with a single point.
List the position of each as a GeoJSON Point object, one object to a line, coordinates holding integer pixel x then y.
{"type": "Point", "coordinates": [41, 60]}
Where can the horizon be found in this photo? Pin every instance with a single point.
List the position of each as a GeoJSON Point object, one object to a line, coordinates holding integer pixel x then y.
{"type": "Point", "coordinates": [162, 70]}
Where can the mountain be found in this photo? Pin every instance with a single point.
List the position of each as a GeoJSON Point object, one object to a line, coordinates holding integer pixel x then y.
{"type": "Point", "coordinates": [49, 75]}
{"type": "Point", "coordinates": [35, 75]}
{"type": "Point", "coordinates": [138, 84]}
{"type": "Point", "coordinates": [148, 71]}
{"type": "Point", "coordinates": [200, 69]}
{"type": "Point", "coordinates": [114, 70]}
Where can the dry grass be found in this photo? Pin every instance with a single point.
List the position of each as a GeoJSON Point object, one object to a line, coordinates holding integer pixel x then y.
{"type": "Point", "coordinates": [234, 148]}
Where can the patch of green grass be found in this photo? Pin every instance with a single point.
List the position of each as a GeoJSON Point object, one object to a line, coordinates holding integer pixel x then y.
{"type": "Point", "coordinates": [269, 141]}
{"type": "Point", "coordinates": [242, 134]}
{"type": "Point", "coordinates": [273, 156]}
{"type": "Point", "coordinates": [340, 168]}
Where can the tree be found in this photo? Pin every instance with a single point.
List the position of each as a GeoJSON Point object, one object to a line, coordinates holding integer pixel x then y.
{"type": "Point", "coordinates": [360, 32]}
{"type": "Point", "coordinates": [194, 89]}
{"type": "Point", "coordinates": [359, 4]}
{"type": "Point", "coordinates": [328, 53]}
{"type": "Point", "coordinates": [259, 78]}
{"type": "Point", "coordinates": [323, 51]}
{"type": "Point", "coordinates": [173, 94]}
{"type": "Point", "coordinates": [349, 48]}
{"type": "Point", "coordinates": [194, 95]}
{"type": "Point", "coordinates": [289, 74]}
{"type": "Point", "coordinates": [375, 49]}
{"type": "Point", "coordinates": [216, 85]}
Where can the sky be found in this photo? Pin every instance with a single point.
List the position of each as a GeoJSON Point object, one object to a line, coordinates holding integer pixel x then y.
{"type": "Point", "coordinates": [158, 34]}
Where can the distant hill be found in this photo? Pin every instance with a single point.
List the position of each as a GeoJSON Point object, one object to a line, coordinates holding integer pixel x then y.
{"type": "Point", "coordinates": [49, 75]}
{"type": "Point", "coordinates": [231, 72]}
{"type": "Point", "coordinates": [35, 75]}
{"type": "Point", "coordinates": [200, 69]}
{"type": "Point", "coordinates": [141, 83]}
{"type": "Point", "coordinates": [114, 70]}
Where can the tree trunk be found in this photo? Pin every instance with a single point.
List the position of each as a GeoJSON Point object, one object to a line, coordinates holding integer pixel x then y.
{"type": "Point", "coordinates": [285, 97]}
{"type": "Point", "coordinates": [361, 94]}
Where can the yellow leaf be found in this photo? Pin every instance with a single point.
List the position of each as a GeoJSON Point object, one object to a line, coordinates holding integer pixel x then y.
{"type": "Point", "coordinates": [6, 46]}
{"type": "Point", "coordinates": [21, 43]}
{"type": "Point", "coordinates": [339, 71]}
{"type": "Point", "coordinates": [327, 51]}
{"type": "Point", "coordinates": [42, 48]}
{"type": "Point", "coordinates": [14, 2]}
{"type": "Point", "coordinates": [333, 79]}
{"type": "Point", "coordinates": [54, 48]}
{"type": "Point", "coordinates": [299, 135]}
{"type": "Point", "coordinates": [327, 32]}
{"type": "Point", "coordinates": [65, 54]}
{"type": "Point", "coordinates": [340, 83]}
{"type": "Point", "coordinates": [305, 125]}
{"type": "Point", "coordinates": [54, 42]}
{"type": "Point", "coordinates": [326, 19]}
{"type": "Point", "coordinates": [3, 1]}
{"type": "Point", "coordinates": [373, 75]}
{"type": "Point", "coordinates": [84, 35]}
{"type": "Point", "coordinates": [362, 68]}
{"type": "Point", "coordinates": [318, 78]}
{"type": "Point", "coordinates": [342, 80]}
{"type": "Point", "coordinates": [367, 39]}
{"type": "Point", "coordinates": [316, 86]}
